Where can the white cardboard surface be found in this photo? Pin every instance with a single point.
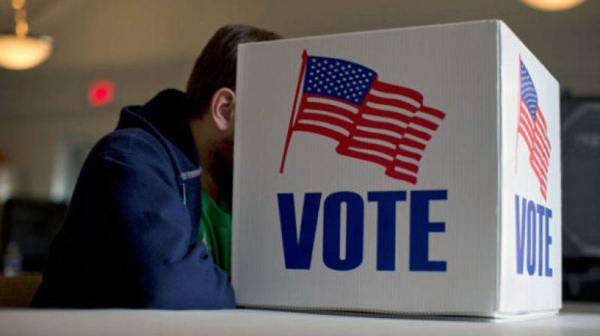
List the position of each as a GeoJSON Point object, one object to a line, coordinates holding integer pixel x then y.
{"type": "Point", "coordinates": [463, 70]}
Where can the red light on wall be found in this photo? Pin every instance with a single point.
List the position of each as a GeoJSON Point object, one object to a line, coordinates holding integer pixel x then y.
{"type": "Point", "coordinates": [101, 93]}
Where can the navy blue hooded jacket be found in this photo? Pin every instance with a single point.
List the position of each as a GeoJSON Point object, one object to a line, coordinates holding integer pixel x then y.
{"type": "Point", "coordinates": [129, 239]}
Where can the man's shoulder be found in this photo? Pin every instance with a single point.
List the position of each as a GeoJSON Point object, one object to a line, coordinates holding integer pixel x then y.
{"type": "Point", "coordinates": [127, 139]}
{"type": "Point", "coordinates": [130, 144]}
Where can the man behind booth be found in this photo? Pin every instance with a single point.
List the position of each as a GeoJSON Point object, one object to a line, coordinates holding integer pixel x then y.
{"type": "Point", "coordinates": [147, 226]}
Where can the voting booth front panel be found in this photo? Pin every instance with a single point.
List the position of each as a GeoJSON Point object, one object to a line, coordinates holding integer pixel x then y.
{"type": "Point", "coordinates": [367, 173]}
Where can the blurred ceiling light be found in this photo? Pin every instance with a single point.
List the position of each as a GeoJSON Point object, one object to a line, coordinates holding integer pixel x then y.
{"type": "Point", "coordinates": [553, 5]}
{"type": "Point", "coordinates": [19, 51]}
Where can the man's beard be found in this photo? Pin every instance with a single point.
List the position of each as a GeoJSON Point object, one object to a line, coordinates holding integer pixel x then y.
{"type": "Point", "coordinates": [220, 167]}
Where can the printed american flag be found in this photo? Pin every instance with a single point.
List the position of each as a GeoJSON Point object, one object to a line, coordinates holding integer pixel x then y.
{"type": "Point", "coordinates": [372, 120]}
{"type": "Point", "coordinates": [532, 128]}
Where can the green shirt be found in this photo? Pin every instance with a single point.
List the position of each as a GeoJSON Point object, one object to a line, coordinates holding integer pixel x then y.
{"type": "Point", "coordinates": [215, 231]}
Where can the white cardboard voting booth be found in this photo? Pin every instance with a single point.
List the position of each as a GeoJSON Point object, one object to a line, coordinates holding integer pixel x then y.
{"type": "Point", "coordinates": [409, 171]}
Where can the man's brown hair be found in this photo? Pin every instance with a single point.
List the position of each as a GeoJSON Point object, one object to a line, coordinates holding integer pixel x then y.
{"type": "Point", "coordinates": [216, 66]}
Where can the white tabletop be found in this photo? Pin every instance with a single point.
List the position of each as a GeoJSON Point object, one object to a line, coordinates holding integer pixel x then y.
{"type": "Point", "coordinates": [574, 320]}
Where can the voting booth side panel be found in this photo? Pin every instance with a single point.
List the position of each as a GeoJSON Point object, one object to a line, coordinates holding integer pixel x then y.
{"type": "Point", "coordinates": [329, 212]}
{"type": "Point", "coordinates": [530, 278]}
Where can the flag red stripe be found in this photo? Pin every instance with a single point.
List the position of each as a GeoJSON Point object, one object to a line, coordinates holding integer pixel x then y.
{"type": "Point", "coordinates": [417, 133]}
{"type": "Point", "coordinates": [542, 119]}
{"type": "Point", "coordinates": [541, 178]}
{"type": "Point", "coordinates": [363, 156]}
{"type": "Point", "coordinates": [339, 101]}
{"type": "Point", "coordinates": [531, 139]}
{"type": "Point", "coordinates": [540, 170]}
{"type": "Point", "coordinates": [330, 108]}
{"type": "Point", "coordinates": [396, 129]}
{"type": "Point", "coordinates": [424, 123]}
{"type": "Point", "coordinates": [433, 112]}
{"type": "Point", "coordinates": [371, 146]}
{"type": "Point", "coordinates": [407, 165]}
{"type": "Point", "coordinates": [318, 112]}
{"type": "Point", "coordinates": [528, 131]}
{"type": "Point", "coordinates": [395, 89]}
{"type": "Point", "coordinates": [536, 169]}
{"type": "Point", "coordinates": [383, 126]}
{"type": "Point", "coordinates": [320, 130]}
{"type": "Point", "coordinates": [376, 136]}
{"type": "Point", "coordinates": [541, 167]}
{"type": "Point", "coordinates": [542, 142]}
{"type": "Point", "coordinates": [409, 154]}
{"type": "Point", "coordinates": [412, 143]}
{"type": "Point", "coordinates": [401, 176]}
{"type": "Point", "coordinates": [539, 144]}
{"type": "Point", "coordinates": [542, 132]}
{"type": "Point", "coordinates": [542, 158]}
{"type": "Point", "coordinates": [392, 102]}
{"type": "Point", "coordinates": [526, 117]}
{"type": "Point", "coordinates": [526, 123]}
{"type": "Point", "coordinates": [326, 119]}
{"type": "Point", "coordinates": [387, 114]}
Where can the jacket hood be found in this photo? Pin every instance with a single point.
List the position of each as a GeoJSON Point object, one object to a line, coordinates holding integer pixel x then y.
{"type": "Point", "coordinates": [166, 117]}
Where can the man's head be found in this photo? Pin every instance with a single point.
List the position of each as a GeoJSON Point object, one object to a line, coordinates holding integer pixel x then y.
{"type": "Point", "coordinates": [211, 92]}
{"type": "Point", "coordinates": [215, 68]}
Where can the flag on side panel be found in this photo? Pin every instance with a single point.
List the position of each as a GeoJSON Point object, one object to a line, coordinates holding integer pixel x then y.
{"type": "Point", "coordinates": [533, 129]}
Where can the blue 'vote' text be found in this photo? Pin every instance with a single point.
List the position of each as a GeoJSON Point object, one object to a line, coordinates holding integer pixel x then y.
{"type": "Point", "coordinates": [533, 237]}
{"type": "Point", "coordinates": [298, 244]}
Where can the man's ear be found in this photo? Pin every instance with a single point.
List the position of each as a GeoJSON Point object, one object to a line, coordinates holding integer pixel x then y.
{"type": "Point", "coordinates": [222, 109]}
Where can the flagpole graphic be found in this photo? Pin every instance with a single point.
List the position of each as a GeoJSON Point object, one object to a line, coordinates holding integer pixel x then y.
{"type": "Point", "coordinates": [293, 113]}
{"type": "Point", "coordinates": [519, 121]}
